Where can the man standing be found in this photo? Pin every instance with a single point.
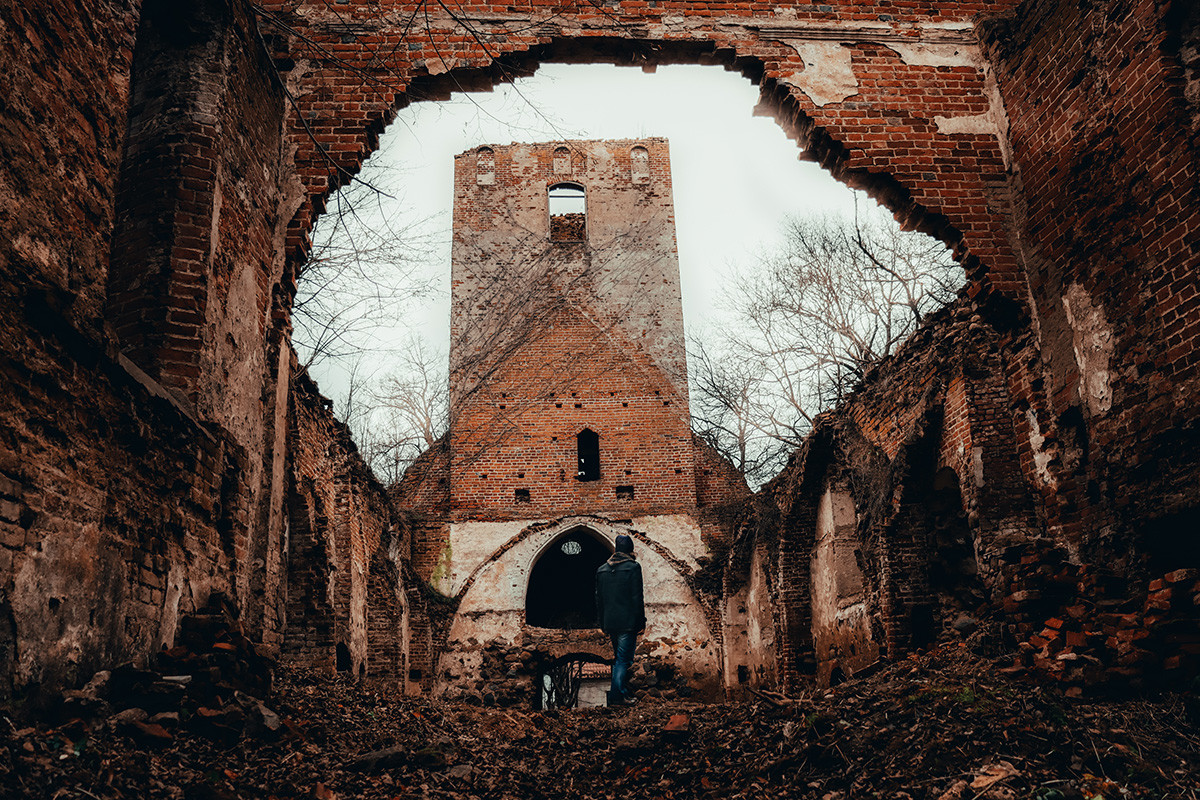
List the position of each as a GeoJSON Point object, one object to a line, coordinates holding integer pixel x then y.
{"type": "Point", "coordinates": [622, 613]}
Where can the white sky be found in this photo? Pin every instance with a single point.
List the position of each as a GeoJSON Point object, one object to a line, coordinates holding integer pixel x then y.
{"type": "Point", "coordinates": [736, 176]}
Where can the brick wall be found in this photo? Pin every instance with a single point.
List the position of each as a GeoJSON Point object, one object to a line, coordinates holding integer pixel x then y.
{"type": "Point", "coordinates": [349, 578]}
{"type": "Point", "coordinates": [64, 121]}
{"type": "Point", "coordinates": [1104, 142]}
{"type": "Point", "coordinates": [926, 452]}
{"type": "Point", "coordinates": [553, 338]}
{"type": "Point", "coordinates": [119, 511]}
{"type": "Point", "coordinates": [142, 499]}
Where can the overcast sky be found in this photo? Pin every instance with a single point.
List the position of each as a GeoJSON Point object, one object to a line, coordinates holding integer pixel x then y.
{"type": "Point", "coordinates": [736, 176]}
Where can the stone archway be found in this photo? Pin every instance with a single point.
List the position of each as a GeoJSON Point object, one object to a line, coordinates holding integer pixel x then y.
{"type": "Point", "coordinates": [491, 616]}
{"type": "Point", "coordinates": [562, 583]}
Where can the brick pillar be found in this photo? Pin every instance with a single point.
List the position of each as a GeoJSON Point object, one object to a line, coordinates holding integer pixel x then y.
{"type": "Point", "coordinates": [793, 597]}
{"type": "Point", "coordinates": [166, 197]}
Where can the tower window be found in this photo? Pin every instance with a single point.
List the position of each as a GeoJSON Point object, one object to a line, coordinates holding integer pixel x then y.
{"type": "Point", "coordinates": [639, 165]}
{"type": "Point", "coordinates": [520, 495]}
{"type": "Point", "coordinates": [568, 212]}
{"type": "Point", "coordinates": [624, 492]}
{"type": "Point", "coordinates": [562, 161]}
{"type": "Point", "coordinates": [485, 166]}
{"type": "Point", "coordinates": [587, 443]}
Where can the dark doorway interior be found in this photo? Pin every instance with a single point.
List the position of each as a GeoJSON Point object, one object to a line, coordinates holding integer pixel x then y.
{"type": "Point", "coordinates": [562, 586]}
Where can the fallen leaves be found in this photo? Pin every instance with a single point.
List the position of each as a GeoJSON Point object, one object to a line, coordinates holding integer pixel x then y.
{"type": "Point", "coordinates": [943, 726]}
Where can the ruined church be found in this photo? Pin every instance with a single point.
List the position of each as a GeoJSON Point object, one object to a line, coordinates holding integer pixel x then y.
{"type": "Point", "coordinates": [1024, 471]}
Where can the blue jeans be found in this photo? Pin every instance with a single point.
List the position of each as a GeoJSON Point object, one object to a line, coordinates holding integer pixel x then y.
{"type": "Point", "coordinates": [623, 646]}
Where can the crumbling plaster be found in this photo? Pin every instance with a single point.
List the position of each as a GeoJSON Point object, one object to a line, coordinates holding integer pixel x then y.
{"type": "Point", "coordinates": [842, 635]}
{"type": "Point", "coordinates": [491, 609]}
{"type": "Point", "coordinates": [473, 544]}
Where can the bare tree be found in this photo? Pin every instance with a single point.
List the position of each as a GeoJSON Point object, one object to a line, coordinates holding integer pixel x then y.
{"type": "Point", "coordinates": [412, 411]}
{"type": "Point", "coordinates": [812, 319]}
{"type": "Point", "coordinates": [363, 271]}
{"type": "Point", "coordinates": [725, 403]}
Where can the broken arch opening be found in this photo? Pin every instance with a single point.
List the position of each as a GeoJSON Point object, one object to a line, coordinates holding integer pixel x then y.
{"type": "Point", "coordinates": [562, 584]}
{"type": "Point", "coordinates": [695, 185]}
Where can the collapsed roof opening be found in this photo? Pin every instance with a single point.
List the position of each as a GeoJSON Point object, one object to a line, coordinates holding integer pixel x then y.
{"type": "Point", "coordinates": [562, 584]}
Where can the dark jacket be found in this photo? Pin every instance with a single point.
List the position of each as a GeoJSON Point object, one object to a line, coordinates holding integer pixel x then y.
{"type": "Point", "coordinates": [620, 607]}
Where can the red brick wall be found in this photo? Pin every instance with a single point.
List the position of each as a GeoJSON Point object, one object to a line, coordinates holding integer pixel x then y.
{"type": "Point", "coordinates": [349, 582]}
{"type": "Point", "coordinates": [1104, 146]}
{"type": "Point", "coordinates": [66, 97]}
{"type": "Point", "coordinates": [941, 401]}
{"type": "Point", "coordinates": [142, 502]}
{"type": "Point", "coordinates": [423, 495]}
{"type": "Point", "coordinates": [119, 512]}
{"type": "Point", "coordinates": [551, 338]}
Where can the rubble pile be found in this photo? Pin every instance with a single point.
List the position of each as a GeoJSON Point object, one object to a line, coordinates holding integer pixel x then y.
{"type": "Point", "coordinates": [943, 725]}
{"type": "Point", "coordinates": [507, 676]}
{"type": "Point", "coordinates": [1088, 631]}
{"type": "Point", "coordinates": [211, 682]}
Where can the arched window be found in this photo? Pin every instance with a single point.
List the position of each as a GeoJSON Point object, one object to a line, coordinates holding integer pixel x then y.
{"type": "Point", "coordinates": [587, 445]}
{"type": "Point", "coordinates": [562, 161]}
{"type": "Point", "coordinates": [639, 165]}
{"type": "Point", "coordinates": [568, 212]}
{"type": "Point", "coordinates": [485, 166]}
{"type": "Point", "coordinates": [562, 584]}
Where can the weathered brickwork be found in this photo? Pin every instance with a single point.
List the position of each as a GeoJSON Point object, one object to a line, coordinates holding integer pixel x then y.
{"type": "Point", "coordinates": [550, 338]}
{"type": "Point", "coordinates": [424, 494]}
{"type": "Point", "coordinates": [161, 165]}
{"type": "Point", "coordinates": [1111, 243]}
{"type": "Point", "coordinates": [350, 584]}
{"type": "Point", "coordinates": [569, 418]}
{"type": "Point", "coordinates": [119, 511]}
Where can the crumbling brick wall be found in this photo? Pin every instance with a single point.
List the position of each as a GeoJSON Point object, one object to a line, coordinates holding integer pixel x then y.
{"type": "Point", "coordinates": [923, 456]}
{"type": "Point", "coordinates": [143, 475]}
{"type": "Point", "coordinates": [423, 493]}
{"type": "Point", "coordinates": [120, 512]}
{"type": "Point", "coordinates": [1108, 230]}
{"type": "Point", "coordinates": [350, 584]}
{"type": "Point", "coordinates": [1059, 159]}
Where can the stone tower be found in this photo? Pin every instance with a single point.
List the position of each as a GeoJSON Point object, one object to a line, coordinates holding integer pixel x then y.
{"type": "Point", "coordinates": [567, 323]}
{"type": "Point", "coordinates": [569, 422]}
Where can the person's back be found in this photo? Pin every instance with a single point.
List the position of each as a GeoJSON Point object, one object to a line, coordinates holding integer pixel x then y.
{"type": "Point", "coordinates": [619, 593]}
{"type": "Point", "coordinates": [620, 609]}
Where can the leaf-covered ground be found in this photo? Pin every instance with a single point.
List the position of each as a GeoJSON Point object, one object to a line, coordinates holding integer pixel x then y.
{"type": "Point", "coordinates": [941, 725]}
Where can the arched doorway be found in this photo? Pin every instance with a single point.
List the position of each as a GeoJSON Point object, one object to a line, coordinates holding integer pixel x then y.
{"type": "Point", "coordinates": [577, 680]}
{"type": "Point", "coordinates": [562, 584]}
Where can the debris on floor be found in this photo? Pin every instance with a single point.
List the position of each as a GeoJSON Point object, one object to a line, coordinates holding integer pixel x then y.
{"type": "Point", "coordinates": [944, 725]}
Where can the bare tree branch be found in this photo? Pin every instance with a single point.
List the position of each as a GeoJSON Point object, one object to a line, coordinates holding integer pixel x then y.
{"type": "Point", "coordinates": [842, 295]}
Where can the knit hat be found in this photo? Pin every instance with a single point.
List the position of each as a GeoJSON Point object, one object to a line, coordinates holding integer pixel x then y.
{"type": "Point", "coordinates": [624, 544]}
